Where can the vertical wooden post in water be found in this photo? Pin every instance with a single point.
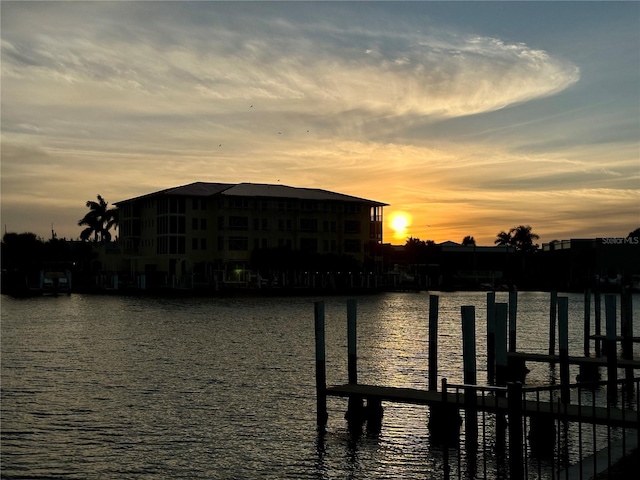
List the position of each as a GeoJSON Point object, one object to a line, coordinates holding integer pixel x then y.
{"type": "Point", "coordinates": [597, 306]}
{"type": "Point", "coordinates": [513, 310]}
{"type": "Point", "coordinates": [626, 322]}
{"type": "Point", "coordinates": [553, 309]}
{"type": "Point", "coordinates": [491, 337]}
{"type": "Point", "coordinates": [433, 342]}
{"type": "Point", "coordinates": [610, 343]}
{"type": "Point", "coordinates": [354, 409]}
{"type": "Point", "coordinates": [501, 344]}
{"type": "Point", "coordinates": [501, 367]}
{"type": "Point", "coordinates": [470, 376]}
{"type": "Point", "coordinates": [514, 407]}
{"type": "Point", "coordinates": [352, 362]}
{"type": "Point", "coordinates": [321, 371]}
{"type": "Point", "coordinates": [563, 341]}
{"type": "Point", "coordinates": [587, 321]}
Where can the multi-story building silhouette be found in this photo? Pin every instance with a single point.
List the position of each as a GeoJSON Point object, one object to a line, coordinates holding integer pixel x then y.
{"type": "Point", "coordinates": [213, 229]}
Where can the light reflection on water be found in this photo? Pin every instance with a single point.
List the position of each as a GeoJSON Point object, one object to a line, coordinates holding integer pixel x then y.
{"type": "Point", "coordinates": [145, 387]}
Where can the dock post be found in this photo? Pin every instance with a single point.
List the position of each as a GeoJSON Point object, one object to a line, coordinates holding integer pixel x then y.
{"type": "Point", "coordinates": [553, 309]}
{"type": "Point", "coordinates": [626, 323]}
{"type": "Point", "coordinates": [501, 344]}
{"type": "Point", "coordinates": [354, 409]}
{"type": "Point", "coordinates": [444, 421]}
{"type": "Point", "coordinates": [597, 306]}
{"type": "Point", "coordinates": [610, 345]}
{"type": "Point", "coordinates": [491, 337]}
{"type": "Point", "coordinates": [470, 376]}
{"type": "Point", "coordinates": [321, 371]}
{"type": "Point", "coordinates": [433, 342]}
{"type": "Point", "coordinates": [514, 408]}
{"type": "Point", "coordinates": [513, 310]}
{"type": "Point", "coordinates": [587, 321]}
{"type": "Point", "coordinates": [563, 346]}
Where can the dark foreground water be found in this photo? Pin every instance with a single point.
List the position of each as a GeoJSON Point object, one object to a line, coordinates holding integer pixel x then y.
{"type": "Point", "coordinates": [218, 388]}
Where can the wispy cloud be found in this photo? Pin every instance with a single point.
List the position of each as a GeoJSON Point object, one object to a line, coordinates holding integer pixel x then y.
{"type": "Point", "coordinates": [177, 92]}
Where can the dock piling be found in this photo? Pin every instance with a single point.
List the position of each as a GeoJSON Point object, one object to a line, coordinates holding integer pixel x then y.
{"type": "Point", "coordinates": [597, 306]}
{"type": "Point", "coordinates": [626, 322]}
{"type": "Point", "coordinates": [470, 375]}
{"type": "Point", "coordinates": [501, 344]}
{"type": "Point", "coordinates": [355, 409]}
{"type": "Point", "coordinates": [321, 370]}
{"type": "Point", "coordinates": [563, 346]}
{"type": "Point", "coordinates": [491, 337]}
{"type": "Point", "coordinates": [513, 311]}
{"type": "Point", "coordinates": [587, 321]}
{"type": "Point", "coordinates": [553, 309]}
{"type": "Point", "coordinates": [433, 342]}
{"type": "Point", "coordinates": [514, 397]}
{"type": "Point", "coordinates": [610, 343]}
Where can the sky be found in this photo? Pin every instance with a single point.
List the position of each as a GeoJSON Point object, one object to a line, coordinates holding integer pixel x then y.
{"type": "Point", "coordinates": [467, 118]}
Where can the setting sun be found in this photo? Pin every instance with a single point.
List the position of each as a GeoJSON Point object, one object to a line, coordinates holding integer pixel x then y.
{"type": "Point", "coordinates": [400, 221]}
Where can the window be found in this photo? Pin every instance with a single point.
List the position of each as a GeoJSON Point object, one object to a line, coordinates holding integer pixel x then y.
{"type": "Point", "coordinates": [238, 223]}
{"type": "Point", "coordinates": [203, 224]}
{"type": "Point", "coordinates": [194, 223]}
{"type": "Point", "coordinates": [308, 225]}
{"type": "Point", "coordinates": [203, 244]}
{"type": "Point", "coordinates": [176, 245]}
{"type": "Point", "coordinates": [352, 246]}
{"type": "Point", "coordinates": [239, 203]}
{"type": "Point", "coordinates": [194, 244]}
{"type": "Point", "coordinates": [309, 244]}
{"type": "Point", "coordinates": [351, 226]}
{"type": "Point", "coordinates": [308, 206]}
{"type": "Point", "coordinates": [238, 243]}
{"type": "Point", "coordinates": [353, 208]}
{"type": "Point", "coordinates": [265, 224]}
{"type": "Point", "coordinates": [194, 204]}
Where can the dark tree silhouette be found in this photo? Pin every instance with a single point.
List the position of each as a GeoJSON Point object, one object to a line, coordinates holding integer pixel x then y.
{"type": "Point", "coordinates": [522, 238]}
{"type": "Point", "coordinates": [468, 241]}
{"type": "Point", "coordinates": [98, 221]}
{"type": "Point", "coordinates": [503, 238]}
{"type": "Point", "coordinates": [635, 233]}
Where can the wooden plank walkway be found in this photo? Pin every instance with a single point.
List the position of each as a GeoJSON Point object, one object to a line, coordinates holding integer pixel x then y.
{"type": "Point", "coordinates": [592, 361]}
{"type": "Point", "coordinates": [490, 403]}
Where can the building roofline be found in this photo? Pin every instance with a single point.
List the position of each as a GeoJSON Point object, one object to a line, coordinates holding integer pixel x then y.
{"type": "Point", "coordinates": [246, 189]}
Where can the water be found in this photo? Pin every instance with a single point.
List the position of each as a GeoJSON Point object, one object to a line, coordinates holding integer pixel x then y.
{"type": "Point", "coordinates": [223, 388]}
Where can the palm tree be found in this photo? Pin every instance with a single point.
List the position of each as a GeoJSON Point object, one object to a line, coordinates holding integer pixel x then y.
{"type": "Point", "coordinates": [522, 238]}
{"type": "Point", "coordinates": [504, 238]}
{"type": "Point", "coordinates": [98, 220]}
{"type": "Point", "coordinates": [468, 241]}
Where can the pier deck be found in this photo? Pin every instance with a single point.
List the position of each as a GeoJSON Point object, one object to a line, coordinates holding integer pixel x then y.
{"type": "Point", "coordinates": [490, 403]}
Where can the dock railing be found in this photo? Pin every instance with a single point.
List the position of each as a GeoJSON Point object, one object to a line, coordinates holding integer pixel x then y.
{"type": "Point", "coordinates": [531, 433]}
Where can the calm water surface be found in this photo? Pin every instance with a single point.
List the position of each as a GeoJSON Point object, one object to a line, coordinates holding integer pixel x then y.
{"type": "Point", "coordinates": [223, 388]}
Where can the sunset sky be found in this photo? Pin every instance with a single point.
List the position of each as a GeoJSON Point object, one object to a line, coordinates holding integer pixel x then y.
{"type": "Point", "coordinates": [466, 117]}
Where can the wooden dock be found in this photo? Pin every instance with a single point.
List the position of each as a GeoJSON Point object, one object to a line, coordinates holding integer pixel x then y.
{"type": "Point", "coordinates": [490, 403]}
{"type": "Point", "coordinates": [573, 360]}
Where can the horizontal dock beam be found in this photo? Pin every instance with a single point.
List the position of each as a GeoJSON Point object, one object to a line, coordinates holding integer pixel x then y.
{"type": "Point", "coordinates": [493, 404]}
{"type": "Point", "coordinates": [592, 361]}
